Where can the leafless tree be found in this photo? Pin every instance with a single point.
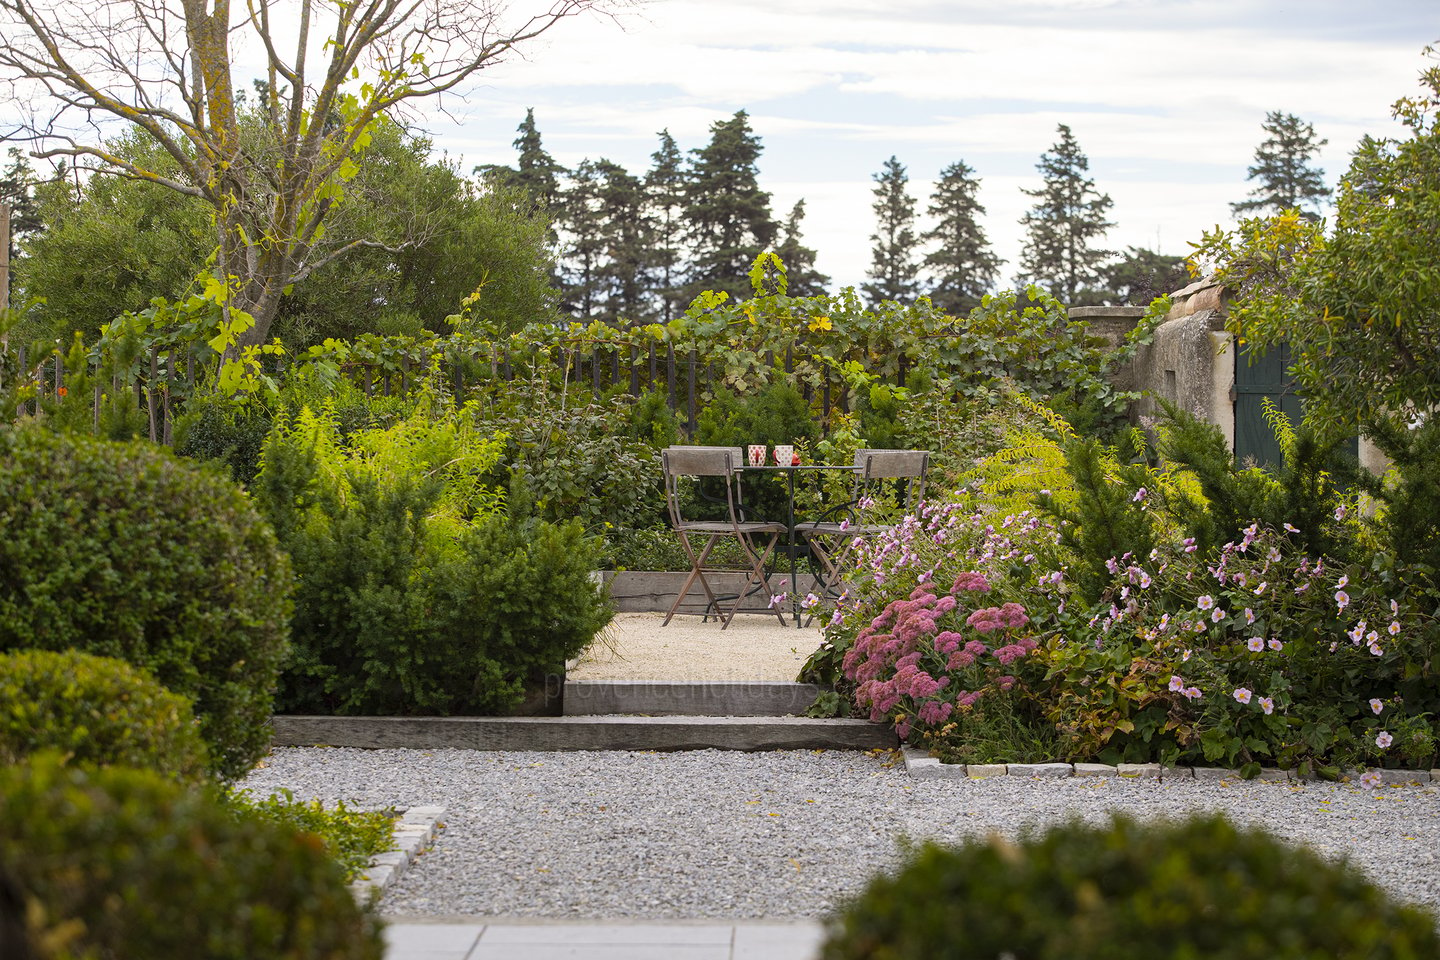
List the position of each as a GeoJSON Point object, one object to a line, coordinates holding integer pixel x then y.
{"type": "Point", "coordinates": [328, 69]}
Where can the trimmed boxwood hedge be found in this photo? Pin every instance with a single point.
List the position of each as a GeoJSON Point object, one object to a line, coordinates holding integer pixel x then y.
{"type": "Point", "coordinates": [121, 863]}
{"type": "Point", "coordinates": [95, 710]}
{"type": "Point", "coordinates": [123, 550]}
{"type": "Point", "coordinates": [1129, 891]}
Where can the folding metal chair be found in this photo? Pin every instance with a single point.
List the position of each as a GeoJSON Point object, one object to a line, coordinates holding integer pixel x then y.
{"type": "Point", "coordinates": [831, 541]}
{"type": "Point", "coordinates": [756, 538]}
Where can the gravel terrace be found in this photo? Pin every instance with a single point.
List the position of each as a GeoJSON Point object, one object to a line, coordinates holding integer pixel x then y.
{"type": "Point", "coordinates": [712, 834]}
{"type": "Point", "coordinates": [782, 835]}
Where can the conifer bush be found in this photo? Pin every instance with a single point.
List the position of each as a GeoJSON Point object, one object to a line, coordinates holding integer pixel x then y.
{"type": "Point", "coordinates": [119, 863]}
{"type": "Point", "coordinates": [95, 710]}
{"type": "Point", "coordinates": [124, 550]}
{"type": "Point", "coordinates": [1162, 891]}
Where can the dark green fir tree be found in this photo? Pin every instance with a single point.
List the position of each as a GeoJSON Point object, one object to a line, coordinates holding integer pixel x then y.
{"type": "Point", "coordinates": [961, 264]}
{"type": "Point", "coordinates": [1286, 181]}
{"type": "Point", "coordinates": [727, 213]}
{"type": "Point", "coordinates": [894, 265]}
{"type": "Point", "coordinates": [1067, 219]}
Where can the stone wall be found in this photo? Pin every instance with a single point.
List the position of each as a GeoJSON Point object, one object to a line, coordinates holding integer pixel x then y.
{"type": "Point", "coordinates": [1190, 361]}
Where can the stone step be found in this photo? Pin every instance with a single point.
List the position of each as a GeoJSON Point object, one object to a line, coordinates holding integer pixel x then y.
{"type": "Point", "coordinates": [583, 733]}
{"type": "Point", "coordinates": [740, 698]}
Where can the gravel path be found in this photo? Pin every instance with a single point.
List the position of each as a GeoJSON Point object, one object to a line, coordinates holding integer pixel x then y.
{"type": "Point", "coordinates": [711, 834]}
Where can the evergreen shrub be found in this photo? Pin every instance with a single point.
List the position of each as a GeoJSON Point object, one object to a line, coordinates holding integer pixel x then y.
{"type": "Point", "coordinates": [118, 863]}
{"type": "Point", "coordinates": [1163, 891]}
{"type": "Point", "coordinates": [123, 550]}
{"type": "Point", "coordinates": [417, 594]}
{"type": "Point", "coordinates": [94, 710]}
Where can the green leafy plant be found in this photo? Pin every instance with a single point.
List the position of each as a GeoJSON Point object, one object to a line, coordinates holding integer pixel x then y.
{"type": "Point", "coordinates": [95, 710]}
{"type": "Point", "coordinates": [124, 550]}
{"type": "Point", "coordinates": [1194, 888]}
{"type": "Point", "coordinates": [124, 863]}
{"type": "Point", "coordinates": [352, 837]}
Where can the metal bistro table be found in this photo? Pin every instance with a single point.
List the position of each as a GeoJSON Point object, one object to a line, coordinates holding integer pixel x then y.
{"type": "Point", "coordinates": [791, 544]}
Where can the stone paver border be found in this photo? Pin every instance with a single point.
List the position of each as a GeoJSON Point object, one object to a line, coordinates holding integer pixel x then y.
{"type": "Point", "coordinates": [416, 828]}
{"type": "Point", "coordinates": [922, 766]}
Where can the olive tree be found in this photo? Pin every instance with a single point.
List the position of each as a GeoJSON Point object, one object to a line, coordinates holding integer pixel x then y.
{"type": "Point", "coordinates": [327, 72]}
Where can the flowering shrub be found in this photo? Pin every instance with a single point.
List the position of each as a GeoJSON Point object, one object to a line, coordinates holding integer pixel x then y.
{"type": "Point", "coordinates": [1266, 653]}
{"type": "Point", "coordinates": [950, 660]}
{"type": "Point", "coordinates": [962, 628]}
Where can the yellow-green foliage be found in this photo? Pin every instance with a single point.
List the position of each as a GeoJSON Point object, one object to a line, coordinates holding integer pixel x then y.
{"type": "Point", "coordinates": [1033, 460]}
{"type": "Point", "coordinates": [436, 441]}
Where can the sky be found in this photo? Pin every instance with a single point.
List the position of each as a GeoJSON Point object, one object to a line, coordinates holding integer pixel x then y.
{"type": "Point", "coordinates": [1165, 97]}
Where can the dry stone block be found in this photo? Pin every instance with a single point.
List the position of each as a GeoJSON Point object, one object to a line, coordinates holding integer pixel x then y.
{"type": "Point", "coordinates": [1096, 770]}
{"type": "Point", "coordinates": [1177, 773]}
{"type": "Point", "coordinates": [1215, 774]}
{"type": "Point", "coordinates": [1139, 771]}
{"type": "Point", "coordinates": [1047, 770]}
{"type": "Point", "coordinates": [977, 771]}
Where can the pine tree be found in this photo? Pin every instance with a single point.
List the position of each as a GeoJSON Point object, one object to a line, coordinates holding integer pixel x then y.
{"type": "Point", "coordinates": [729, 218]}
{"type": "Point", "coordinates": [1069, 214]}
{"type": "Point", "coordinates": [665, 191]}
{"type": "Point", "coordinates": [801, 277]}
{"type": "Point", "coordinates": [894, 269]}
{"type": "Point", "coordinates": [625, 272]}
{"type": "Point", "coordinates": [1141, 275]}
{"type": "Point", "coordinates": [535, 171]}
{"type": "Point", "coordinates": [583, 249]}
{"type": "Point", "coordinates": [962, 264]}
{"type": "Point", "coordinates": [17, 189]}
{"type": "Point", "coordinates": [1282, 165]}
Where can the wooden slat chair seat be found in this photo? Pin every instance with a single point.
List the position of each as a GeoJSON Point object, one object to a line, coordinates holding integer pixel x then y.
{"type": "Point", "coordinates": [832, 541]}
{"type": "Point", "coordinates": [757, 539]}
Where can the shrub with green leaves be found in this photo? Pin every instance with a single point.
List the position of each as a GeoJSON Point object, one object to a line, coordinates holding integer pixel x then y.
{"type": "Point", "coordinates": [127, 864]}
{"type": "Point", "coordinates": [578, 454]}
{"type": "Point", "coordinates": [352, 837]}
{"type": "Point", "coordinates": [123, 550]}
{"type": "Point", "coordinates": [1162, 891]}
{"type": "Point", "coordinates": [417, 594]}
{"type": "Point", "coordinates": [95, 710]}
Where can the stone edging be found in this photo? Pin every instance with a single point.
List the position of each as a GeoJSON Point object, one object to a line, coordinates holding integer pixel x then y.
{"type": "Point", "coordinates": [922, 766]}
{"type": "Point", "coordinates": [414, 831]}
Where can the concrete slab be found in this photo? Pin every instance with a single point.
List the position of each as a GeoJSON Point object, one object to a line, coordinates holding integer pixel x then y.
{"type": "Point", "coordinates": [712, 698]}
{"type": "Point", "coordinates": [584, 733]}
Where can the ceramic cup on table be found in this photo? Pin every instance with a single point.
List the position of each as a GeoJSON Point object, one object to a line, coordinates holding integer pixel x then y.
{"type": "Point", "coordinates": [784, 454]}
{"type": "Point", "coordinates": [757, 454]}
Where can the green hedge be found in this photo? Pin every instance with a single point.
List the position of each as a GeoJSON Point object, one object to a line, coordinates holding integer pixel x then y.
{"type": "Point", "coordinates": [123, 550]}
{"type": "Point", "coordinates": [128, 865]}
{"type": "Point", "coordinates": [1164, 891]}
{"type": "Point", "coordinates": [95, 710]}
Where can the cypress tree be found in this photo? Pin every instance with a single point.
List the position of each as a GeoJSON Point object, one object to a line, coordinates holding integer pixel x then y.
{"type": "Point", "coordinates": [894, 270]}
{"type": "Point", "coordinates": [1069, 214]}
{"type": "Point", "coordinates": [727, 213]}
{"type": "Point", "coordinates": [962, 264]}
{"type": "Point", "coordinates": [1282, 167]}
